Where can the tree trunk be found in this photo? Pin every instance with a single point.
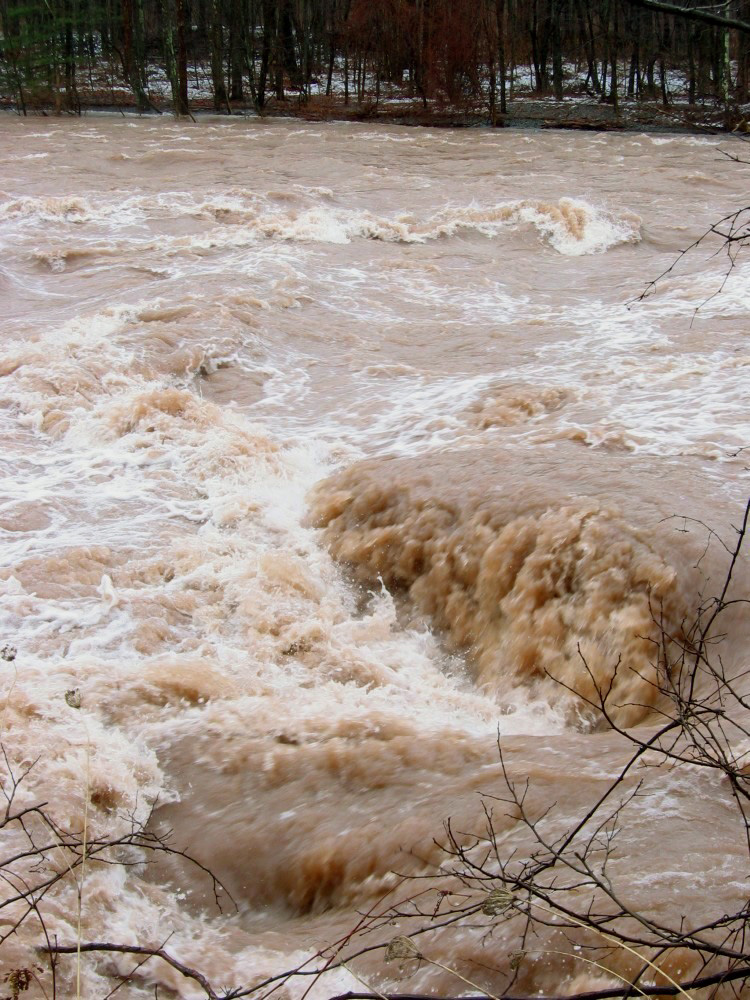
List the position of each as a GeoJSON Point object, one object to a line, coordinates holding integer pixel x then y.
{"type": "Point", "coordinates": [586, 27]}
{"type": "Point", "coordinates": [331, 64]}
{"type": "Point", "coordinates": [723, 65]}
{"type": "Point", "coordinates": [175, 52]}
{"type": "Point", "coordinates": [666, 45]}
{"type": "Point", "coordinates": [500, 18]}
{"type": "Point", "coordinates": [613, 90]}
{"type": "Point", "coordinates": [743, 57]}
{"type": "Point", "coordinates": [133, 51]}
{"type": "Point", "coordinates": [236, 51]}
{"type": "Point", "coordinates": [557, 59]}
{"type": "Point", "coordinates": [216, 41]}
{"type": "Point", "coordinates": [182, 75]}
{"type": "Point", "coordinates": [691, 66]}
{"type": "Point", "coordinates": [663, 83]}
{"type": "Point", "coordinates": [633, 28]}
{"type": "Point", "coordinates": [265, 55]}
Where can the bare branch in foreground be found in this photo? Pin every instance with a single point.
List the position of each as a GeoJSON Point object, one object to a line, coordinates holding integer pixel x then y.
{"type": "Point", "coordinates": [124, 949]}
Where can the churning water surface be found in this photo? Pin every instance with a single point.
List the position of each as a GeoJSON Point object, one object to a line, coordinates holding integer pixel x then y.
{"type": "Point", "coordinates": [323, 447]}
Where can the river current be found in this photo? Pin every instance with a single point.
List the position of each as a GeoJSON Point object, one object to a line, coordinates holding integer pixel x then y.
{"type": "Point", "coordinates": [325, 449]}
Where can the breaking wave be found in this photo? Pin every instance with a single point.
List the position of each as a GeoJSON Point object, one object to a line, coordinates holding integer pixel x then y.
{"type": "Point", "coordinates": [554, 588]}
{"type": "Point", "coordinates": [572, 227]}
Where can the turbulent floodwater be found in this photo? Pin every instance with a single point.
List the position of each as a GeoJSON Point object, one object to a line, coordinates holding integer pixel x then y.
{"type": "Point", "coordinates": [323, 448]}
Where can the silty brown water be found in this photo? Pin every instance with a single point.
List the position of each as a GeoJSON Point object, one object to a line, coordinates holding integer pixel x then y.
{"type": "Point", "coordinates": [324, 447]}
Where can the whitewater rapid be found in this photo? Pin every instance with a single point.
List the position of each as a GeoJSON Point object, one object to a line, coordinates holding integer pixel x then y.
{"type": "Point", "coordinates": [283, 412]}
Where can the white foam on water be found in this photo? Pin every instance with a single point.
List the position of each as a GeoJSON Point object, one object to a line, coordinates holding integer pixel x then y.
{"type": "Point", "coordinates": [599, 230]}
{"type": "Point", "coordinates": [179, 550]}
{"type": "Point", "coordinates": [650, 395]}
{"type": "Point", "coordinates": [667, 401]}
{"type": "Point", "coordinates": [572, 227]}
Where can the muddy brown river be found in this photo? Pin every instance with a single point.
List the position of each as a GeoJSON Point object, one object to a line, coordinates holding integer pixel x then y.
{"type": "Point", "coordinates": [329, 455]}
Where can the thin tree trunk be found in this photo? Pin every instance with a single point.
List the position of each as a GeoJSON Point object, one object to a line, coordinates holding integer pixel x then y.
{"type": "Point", "coordinates": [331, 64]}
{"type": "Point", "coordinates": [691, 65]}
{"type": "Point", "coordinates": [182, 75]}
{"type": "Point", "coordinates": [633, 28]}
{"type": "Point", "coordinates": [663, 83]}
{"type": "Point", "coordinates": [175, 51]}
{"type": "Point", "coordinates": [743, 58]}
{"type": "Point", "coordinates": [613, 91]}
{"type": "Point", "coordinates": [666, 44]}
{"type": "Point", "coordinates": [265, 55]}
{"type": "Point", "coordinates": [236, 50]}
{"type": "Point", "coordinates": [500, 18]}
{"type": "Point", "coordinates": [587, 32]}
{"type": "Point", "coordinates": [557, 59]}
{"type": "Point", "coordinates": [221, 101]}
{"type": "Point", "coordinates": [493, 91]}
{"type": "Point", "coordinates": [724, 65]}
{"type": "Point", "coordinates": [133, 52]}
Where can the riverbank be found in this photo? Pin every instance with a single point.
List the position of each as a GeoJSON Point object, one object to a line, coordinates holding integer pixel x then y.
{"type": "Point", "coordinates": [527, 110]}
{"type": "Point", "coordinates": [582, 112]}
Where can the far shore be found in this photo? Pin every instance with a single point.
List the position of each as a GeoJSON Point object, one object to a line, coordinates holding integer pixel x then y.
{"type": "Point", "coordinates": [576, 112]}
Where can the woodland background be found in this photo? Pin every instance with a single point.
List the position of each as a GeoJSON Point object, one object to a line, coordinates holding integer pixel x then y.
{"type": "Point", "coordinates": [473, 56]}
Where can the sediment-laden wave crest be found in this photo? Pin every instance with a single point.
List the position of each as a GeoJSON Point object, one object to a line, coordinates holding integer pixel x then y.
{"type": "Point", "coordinates": [546, 586]}
{"type": "Point", "coordinates": [571, 226]}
